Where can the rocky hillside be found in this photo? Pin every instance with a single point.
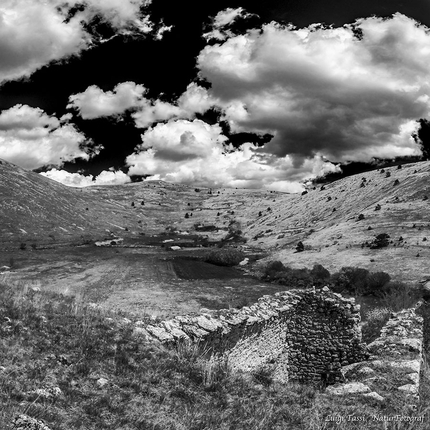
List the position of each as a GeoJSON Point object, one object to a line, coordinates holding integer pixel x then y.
{"type": "Point", "coordinates": [336, 223]}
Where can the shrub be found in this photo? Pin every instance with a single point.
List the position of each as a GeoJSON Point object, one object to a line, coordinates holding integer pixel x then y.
{"type": "Point", "coordinates": [300, 247]}
{"type": "Point", "coordinates": [187, 215]}
{"type": "Point", "coordinates": [376, 282]}
{"type": "Point", "coordinates": [360, 217]}
{"type": "Point", "coordinates": [23, 246]}
{"type": "Point", "coordinates": [295, 278]}
{"type": "Point", "coordinates": [225, 257]}
{"type": "Point", "coordinates": [396, 182]}
{"type": "Point", "coordinates": [272, 268]}
{"type": "Point", "coordinates": [398, 295]}
{"type": "Point", "coordinates": [380, 241]}
{"type": "Point", "coordinates": [320, 275]}
{"type": "Point", "coordinates": [378, 207]}
{"type": "Point", "coordinates": [351, 279]}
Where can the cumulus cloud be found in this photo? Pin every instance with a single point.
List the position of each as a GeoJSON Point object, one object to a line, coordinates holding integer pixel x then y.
{"type": "Point", "coordinates": [106, 177]}
{"type": "Point", "coordinates": [31, 138]}
{"type": "Point", "coordinates": [194, 100]}
{"type": "Point", "coordinates": [222, 20]}
{"type": "Point", "coordinates": [96, 103]}
{"type": "Point", "coordinates": [348, 93]}
{"type": "Point", "coordinates": [34, 33]}
{"type": "Point", "coordinates": [194, 152]}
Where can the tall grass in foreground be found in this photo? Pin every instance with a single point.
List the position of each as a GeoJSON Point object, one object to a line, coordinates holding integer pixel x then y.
{"type": "Point", "coordinates": [79, 368]}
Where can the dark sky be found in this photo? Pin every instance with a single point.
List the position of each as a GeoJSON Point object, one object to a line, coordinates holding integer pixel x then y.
{"type": "Point", "coordinates": [166, 67]}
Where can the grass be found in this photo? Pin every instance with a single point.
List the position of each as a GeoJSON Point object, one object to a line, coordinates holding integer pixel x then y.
{"type": "Point", "coordinates": [55, 352]}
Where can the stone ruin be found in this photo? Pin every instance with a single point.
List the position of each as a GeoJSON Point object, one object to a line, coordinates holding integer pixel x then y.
{"type": "Point", "coordinates": [300, 335]}
{"type": "Point", "coordinates": [311, 336]}
{"type": "Point", "coordinates": [394, 365]}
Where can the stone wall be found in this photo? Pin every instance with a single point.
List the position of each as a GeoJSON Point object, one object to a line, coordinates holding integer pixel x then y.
{"type": "Point", "coordinates": [392, 371]}
{"type": "Point", "coordinates": [299, 335]}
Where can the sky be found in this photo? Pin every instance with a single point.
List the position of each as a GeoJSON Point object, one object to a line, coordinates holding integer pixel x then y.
{"type": "Point", "coordinates": [262, 95]}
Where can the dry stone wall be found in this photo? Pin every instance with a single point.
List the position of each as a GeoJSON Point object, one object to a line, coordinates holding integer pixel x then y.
{"type": "Point", "coordinates": [299, 335]}
{"type": "Point", "coordinates": [393, 368]}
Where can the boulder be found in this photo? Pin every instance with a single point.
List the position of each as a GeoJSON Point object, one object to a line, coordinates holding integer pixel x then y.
{"type": "Point", "coordinates": [350, 388]}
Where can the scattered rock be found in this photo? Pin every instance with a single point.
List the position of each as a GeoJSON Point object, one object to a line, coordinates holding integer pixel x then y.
{"type": "Point", "coordinates": [101, 382]}
{"type": "Point", "coordinates": [375, 396]}
{"type": "Point", "coordinates": [350, 388]}
{"type": "Point", "coordinates": [24, 422]}
{"type": "Point", "coordinates": [409, 388]}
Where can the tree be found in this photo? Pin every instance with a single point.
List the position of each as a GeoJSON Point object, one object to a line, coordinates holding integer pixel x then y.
{"type": "Point", "coordinates": [300, 247]}
{"type": "Point", "coordinates": [320, 275]}
{"type": "Point", "coordinates": [422, 137]}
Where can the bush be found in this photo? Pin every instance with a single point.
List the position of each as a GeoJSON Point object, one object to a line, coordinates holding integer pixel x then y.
{"type": "Point", "coordinates": [276, 272]}
{"type": "Point", "coordinates": [398, 295]}
{"type": "Point", "coordinates": [351, 279]}
{"type": "Point", "coordinates": [225, 257]}
{"type": "Point", "coordinates": [380, 241]}
{"type": "Point", "coordinates": [376, 282]}
{"type": "Point", "coordinates": [320, 275]}
{"type": "Point", "coordinates": [272, 268]}
{"type": "Point", "coordinates": [295, 278]}
{"type": "Point", "coordinates": [300, 247]}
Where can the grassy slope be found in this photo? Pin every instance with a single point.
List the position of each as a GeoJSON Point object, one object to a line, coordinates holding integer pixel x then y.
{"type": "Point", "coordinates": [42, 207]}
{"type": "Point", "coordinates": [47, 342]}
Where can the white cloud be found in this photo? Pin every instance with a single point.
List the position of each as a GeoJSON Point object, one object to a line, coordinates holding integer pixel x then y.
{"type": "Point", "coordinates": [224, 18]}
{"type": "Point", "coordinates": [163, 29]}
{"type": "Point", "coordinates": [193, 152]}
{"type": "Point", "coordinates": [325, 91]}
{"type": "Point", "coordinates": [77, 180]}
{"type": "Point", "coordinates": [96, 103]}
{"type": "Point", "coordinates": [31, 138]}
{"type": "Point", "coordinates": [34, 33]}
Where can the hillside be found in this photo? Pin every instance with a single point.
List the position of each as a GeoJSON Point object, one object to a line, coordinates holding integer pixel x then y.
{"type": "Point", "coordinates": [326, 219]}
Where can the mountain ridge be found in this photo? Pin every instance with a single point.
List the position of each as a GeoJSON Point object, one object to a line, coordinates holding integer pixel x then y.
{"type": "Point", "coordinates": [334, 221]}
